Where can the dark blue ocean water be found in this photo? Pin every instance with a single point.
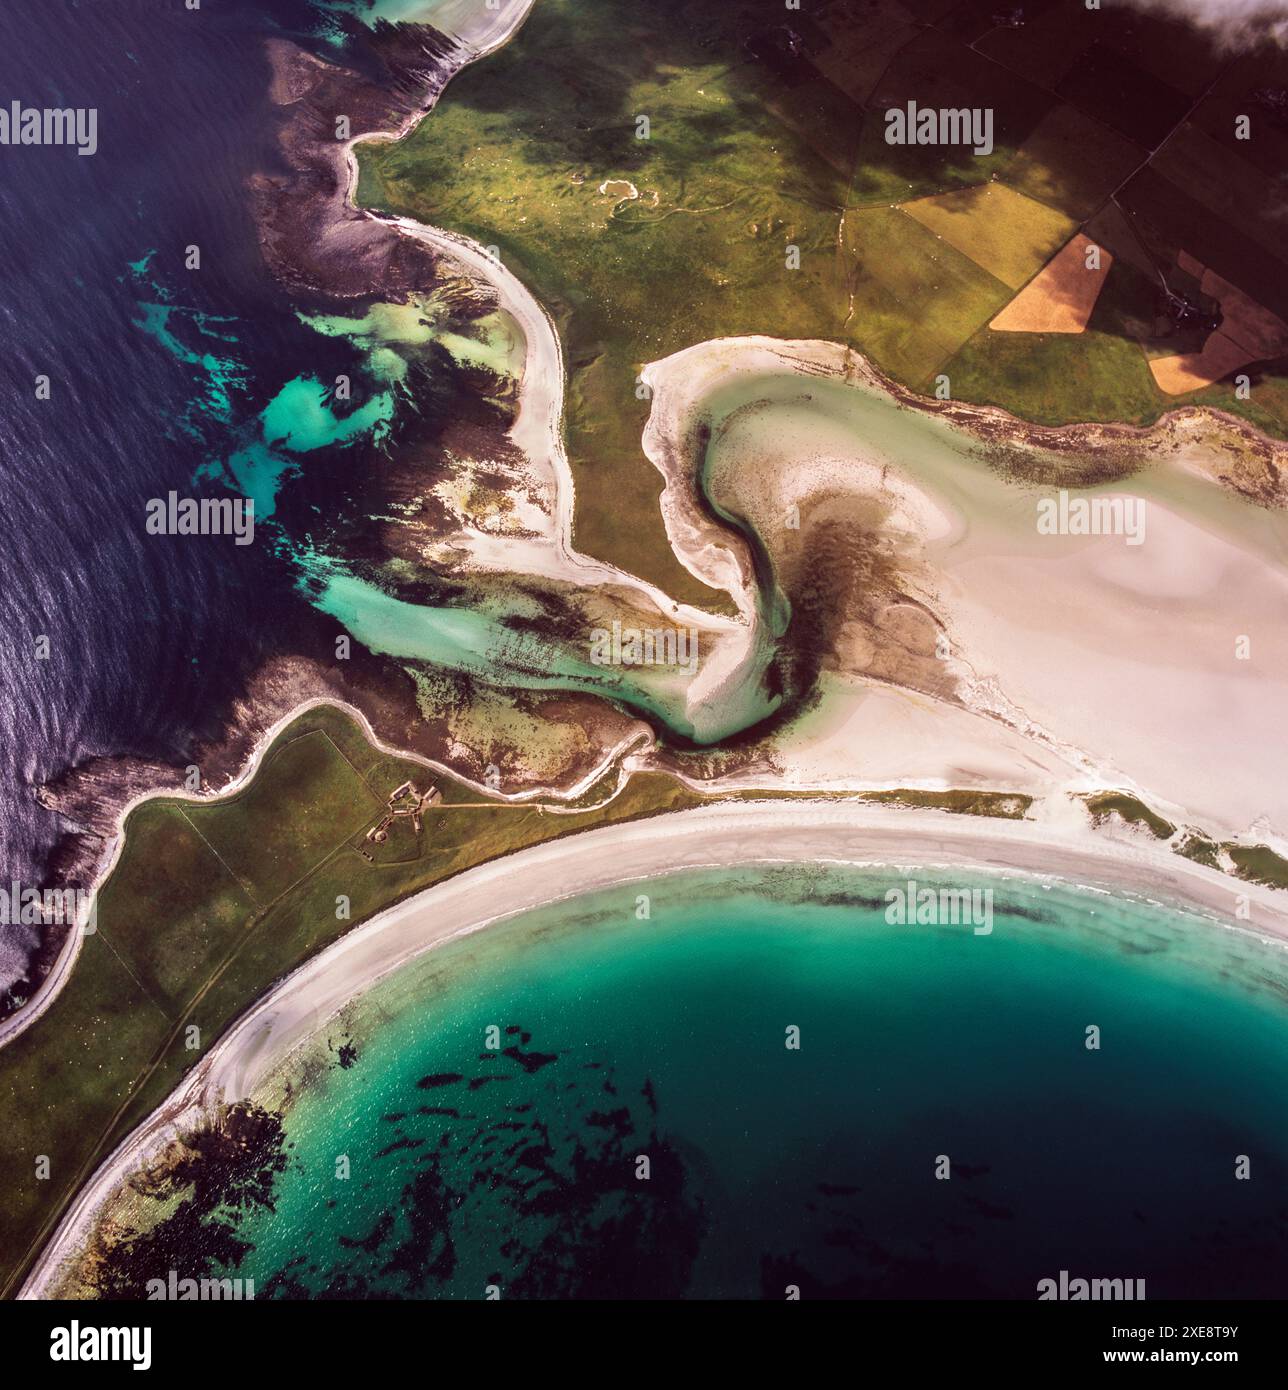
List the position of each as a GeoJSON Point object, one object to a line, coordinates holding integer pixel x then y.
{"type": "Point", "coordinates": [156, 371]}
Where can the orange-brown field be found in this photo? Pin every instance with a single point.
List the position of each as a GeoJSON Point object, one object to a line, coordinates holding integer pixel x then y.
{"type": "Point", "coordinates": [1061, 296]}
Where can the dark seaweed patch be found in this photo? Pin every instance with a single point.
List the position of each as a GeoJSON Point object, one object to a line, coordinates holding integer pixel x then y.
{"type": "Point", "coordinates": [439, 1078]}
{"type": "Point", "coordinates": [554, 1186]}
{"type": "Point", "coordinates": [227, 1171]}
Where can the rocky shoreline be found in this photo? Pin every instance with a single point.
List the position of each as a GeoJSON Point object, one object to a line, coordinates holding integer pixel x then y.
{"type": "Point", "coordinates": [316, 241]}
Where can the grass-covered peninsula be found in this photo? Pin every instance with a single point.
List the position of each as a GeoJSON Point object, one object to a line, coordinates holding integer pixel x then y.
{"type": "Point", "coordinates": [208, 904]}
{"type": "Point", "coordinates": [211, 901]}
{"type": "Point", "coordinates": [665, 174]}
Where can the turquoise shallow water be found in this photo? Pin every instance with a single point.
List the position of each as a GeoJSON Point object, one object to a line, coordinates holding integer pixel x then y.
{"type": "Point", "coordinates": [474, 1161]}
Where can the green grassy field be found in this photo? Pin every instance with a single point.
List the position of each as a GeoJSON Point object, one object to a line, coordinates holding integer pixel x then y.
{"type": "Point", "coordinates": [750, 152]}
{"type": "Point", "coordinates": [210, 903]}
{"type": "Point", "coordinates": [1259, 864]}
{"type": "Point", "coordinates": [1072, 163]}
{"type": "Point", "coordinates": [1034, 374]}
{"type": "Point", "coordinates": [755, 146]}
{"type": "Point", "coordinates": [515, 156]}
{"type": "Point", "coordinates": [1003, 232]}
{"type": "Point", "coordinates": [915, 295]}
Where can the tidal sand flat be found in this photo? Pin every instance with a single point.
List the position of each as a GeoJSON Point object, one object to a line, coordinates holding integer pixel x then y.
{"type": "Point", "coordinates": [733, 1082]}
{"type": "Point", "coordinates": [920, 544]}
{"type": "Point", "coordinates": [1106, 647]}
{"type": "Point", "coordinates": [770, 201]}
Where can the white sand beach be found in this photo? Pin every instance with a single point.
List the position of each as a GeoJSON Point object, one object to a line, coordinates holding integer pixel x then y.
{"type": "Point", "coordinates": [1087, 664]}
{"type": "Point", "coordinates": [18, 1022]}
{"type": "Point", "coordinates": [728, 834]}
{"type": "Point", "coordinates": [1090, 664]}
{"type": "Point", "coordinates": [1119, 664]}
{"type": "Point", "coordinates": [728, 645]}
